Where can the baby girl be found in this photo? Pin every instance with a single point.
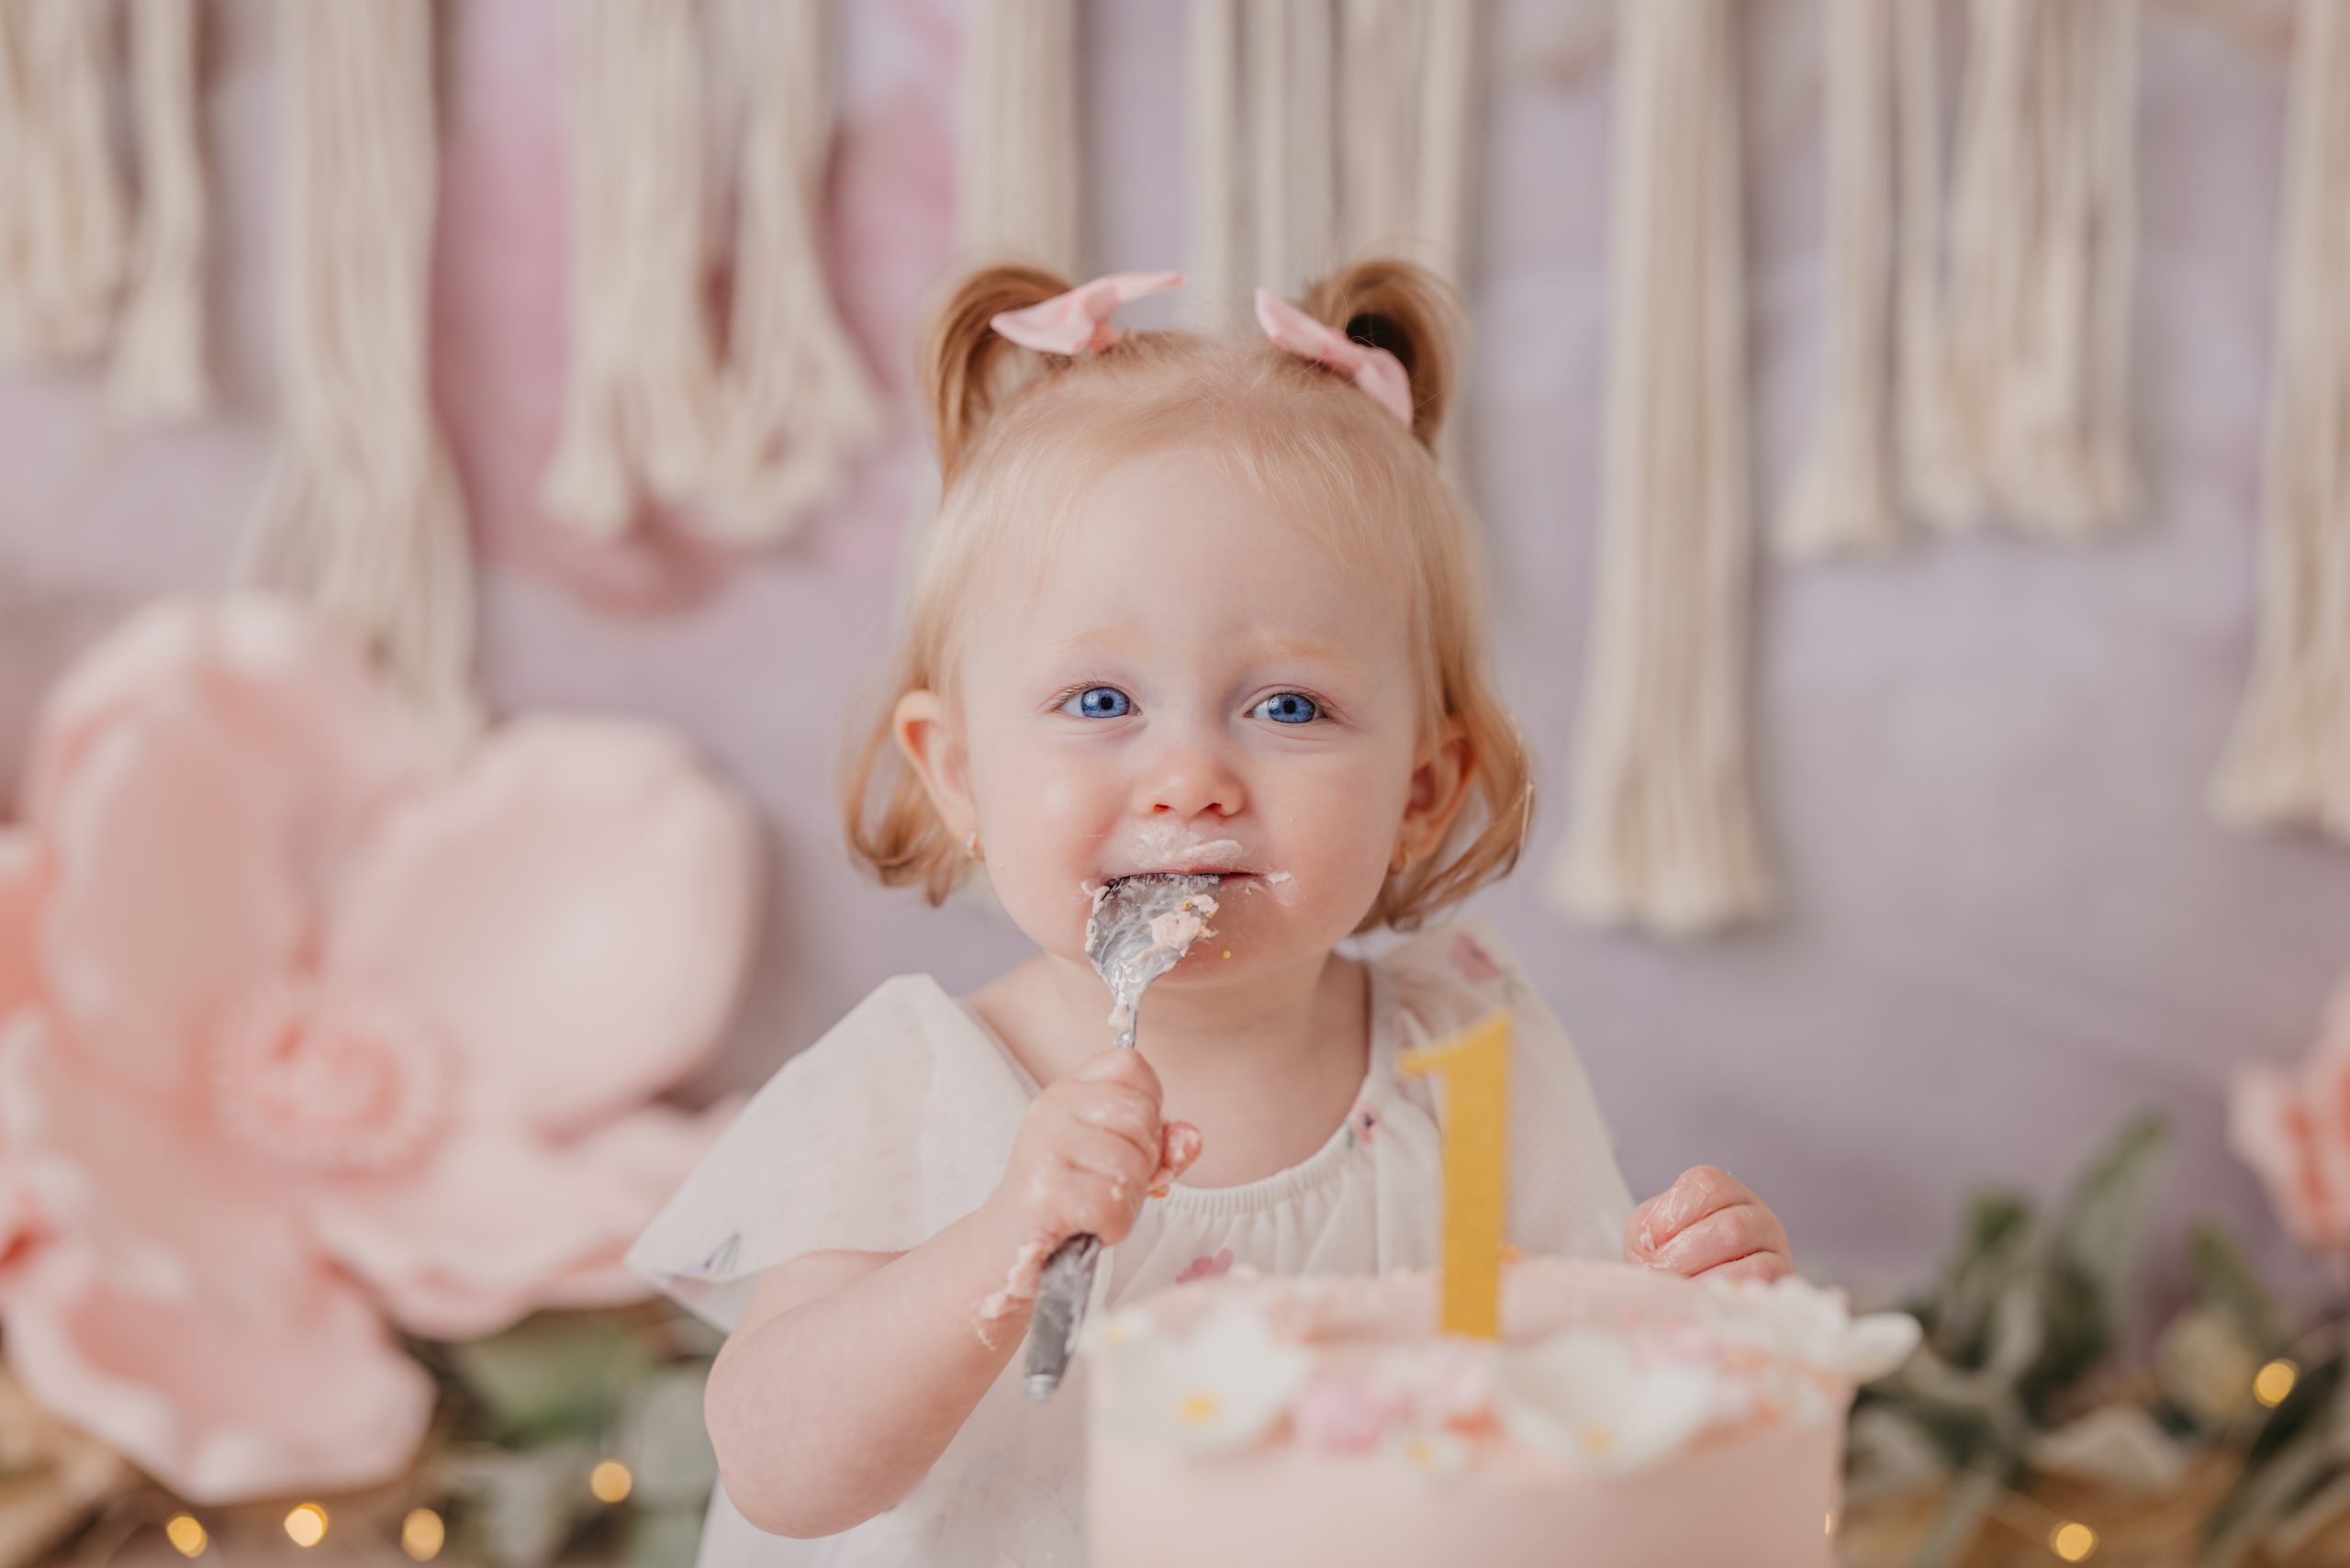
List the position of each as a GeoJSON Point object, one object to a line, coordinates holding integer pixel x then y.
{"type": "Point", "coordinates": [1196, 604]}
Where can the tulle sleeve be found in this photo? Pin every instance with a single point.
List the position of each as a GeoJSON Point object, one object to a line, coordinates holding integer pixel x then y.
{"type": "Point", "coordinates": [1567, 1195]}
{"type": "Point", "coordinates": [894, 1125]}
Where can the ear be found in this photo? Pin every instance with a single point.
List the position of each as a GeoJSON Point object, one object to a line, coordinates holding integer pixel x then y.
{"type": "Point", "coordinates": [1439, 789]}
{"type": "Point", "coordinates": [925, 734]}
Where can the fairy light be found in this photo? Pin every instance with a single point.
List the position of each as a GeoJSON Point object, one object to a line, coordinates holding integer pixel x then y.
{"type": "Point", "coordinates": [2072, 1541]}
{"type": "Point", "coordinates": [421, 1534]}
{"type": "Point", "coordinates": [187, 1534]}
{"type": "Point", "coordinates": [2275, 1380]}
{"type": "Point", "coordinates": [305, 1524]}
{"type": "Point", "coordinates": [609, 1481]}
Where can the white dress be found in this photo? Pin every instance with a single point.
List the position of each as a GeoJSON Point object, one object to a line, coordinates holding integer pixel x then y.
{"type": "Point", "coordinates": [900, 1119]}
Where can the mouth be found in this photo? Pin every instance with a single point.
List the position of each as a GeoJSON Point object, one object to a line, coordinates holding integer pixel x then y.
{"type": "Point", "coordinates": [1220, 874]}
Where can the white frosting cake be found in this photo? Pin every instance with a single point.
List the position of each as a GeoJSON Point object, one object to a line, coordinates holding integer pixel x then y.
{"type": "Point", "coordinates": [1626, 1418]}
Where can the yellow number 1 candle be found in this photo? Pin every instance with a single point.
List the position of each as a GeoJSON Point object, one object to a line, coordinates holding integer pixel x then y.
{"type": "Point", "coordinates": [1474, 1065]}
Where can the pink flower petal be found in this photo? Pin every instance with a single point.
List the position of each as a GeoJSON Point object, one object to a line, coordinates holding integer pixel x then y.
{"type": "Point", "coordinates": [220, 1395]}
{"type": "Point", "coordinates": [653, 1151]}
{"type": "Point", "coordinates": [573, 911]}
{"type": "Point", "coordinates": [23, 884]}
{"type": "Point", "coordinates": [140, 1185]}
{"type": "Point", "coordinates": [20, 889]}
{"type": "Point", "coordinates": [656, 1148]}
{"type": "Point", "coordinates": [276, 669]}
{"type": "Point", "coordinates": [177, 883]}
{"type": "Point", "coordinates": [483, 1234]}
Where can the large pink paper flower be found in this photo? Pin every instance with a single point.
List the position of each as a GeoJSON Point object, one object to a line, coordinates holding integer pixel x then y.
{"type": "Point", "coordinates": [305, 1025]}
{"type": "Point", "coordinates": [2293, 1130]}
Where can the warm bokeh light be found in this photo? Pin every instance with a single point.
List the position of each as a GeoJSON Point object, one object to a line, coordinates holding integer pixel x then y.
{"type": "Point", "coordinates": [2073, 1542]}
{"type": "Point", "coordinates": [2273, 1382]}
{"type": "Point", "coordinates": [609, 1481]}
{"type": "Point", "coordinates": [306, 1524]}
{"type": "Point", "coordinates": [186, 1534]}
{"type": "Point", "coordinates": [421, 1534]}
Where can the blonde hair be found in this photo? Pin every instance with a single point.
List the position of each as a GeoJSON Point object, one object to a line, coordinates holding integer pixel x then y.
{"type": "Point", "coordinates": [1019, 435]}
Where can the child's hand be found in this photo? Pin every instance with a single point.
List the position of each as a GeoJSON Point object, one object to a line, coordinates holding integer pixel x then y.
{"type": "Point", "coordinates": [1707, 1222]}
{"type": "Point", "coordinates": [1088, 1152]}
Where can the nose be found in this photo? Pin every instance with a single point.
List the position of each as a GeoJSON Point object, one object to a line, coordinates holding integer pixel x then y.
{"type": "Point", "coordinates": [1187, 779]}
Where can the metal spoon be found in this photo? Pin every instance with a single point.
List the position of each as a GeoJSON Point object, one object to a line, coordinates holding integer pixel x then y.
{"type": "Point", "coordinates": [1128, 953]}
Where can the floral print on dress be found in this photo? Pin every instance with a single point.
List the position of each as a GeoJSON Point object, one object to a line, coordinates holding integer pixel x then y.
{"type": "Point", "coordinates": [1477, 965]}
{"type": "Point", "coordinates": [1363, 1124]}
{"type": "Point", "coordinates": [1205, 1268]}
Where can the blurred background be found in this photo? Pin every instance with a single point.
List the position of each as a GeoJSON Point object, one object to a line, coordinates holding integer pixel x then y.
{"type": "Point", "coordinates": [2004, 921]}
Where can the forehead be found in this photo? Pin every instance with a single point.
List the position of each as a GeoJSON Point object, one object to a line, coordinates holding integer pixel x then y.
{"type": "Point", "coordinates": [1173, 543]}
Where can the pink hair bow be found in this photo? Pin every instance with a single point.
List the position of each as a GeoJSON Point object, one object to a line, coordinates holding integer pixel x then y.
{"type": "Point", "coordinates": [1078, 322]}
{"type": "Point", "coordinates": [1374, 370]}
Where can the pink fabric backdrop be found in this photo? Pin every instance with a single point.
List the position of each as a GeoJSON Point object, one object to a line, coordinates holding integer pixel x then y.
{"type": "Point", "coordinates": [2009, 920]}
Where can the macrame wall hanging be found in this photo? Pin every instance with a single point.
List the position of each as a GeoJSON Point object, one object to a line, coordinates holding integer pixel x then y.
{"type": "Point", "coordinates": [2008, 355]}
{"type": "Point", "coordinates": [79, 272]}
{"type": "Point", "coordinates": [1017, 173]}
{"type": "Point", "coordinates": [361, 514]}
{"type": "Point", "coordinates": [1664, 833]}
{"type": "Point", "coordinates": [1845, 494]}
{"type": "Point", "coordinates": [1322, 129]}
{"type": "Point", "coordinates": [159, 346]}
{"type": "Point", "coordinates": [754, 438]}
{"type": "Point", "coordinates": [796, 405]}
{"type": "Point", "coordinates": [2288, 761]}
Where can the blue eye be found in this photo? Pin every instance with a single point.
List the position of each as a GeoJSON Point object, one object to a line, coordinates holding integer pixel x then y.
{"type": "Point", "coordinates": [1290, 707]}
{"type": "Point", "coordinates": [1099, 703]}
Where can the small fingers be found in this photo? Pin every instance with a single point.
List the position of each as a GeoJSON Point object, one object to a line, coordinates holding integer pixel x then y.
{"type": "Point", "coordinates": [1697, 1192]}
{"type": "Point", "coordinates": [1122, 1066]}
{"type": "Point", "coordinates": [1114, 1108]}
{"type": "Point", "coordinates": [1718, 1239]}
{"type": "Point", "coordinates": [1071, 1198]}
{"type": "Point", "coordinates": [1179, 1145]}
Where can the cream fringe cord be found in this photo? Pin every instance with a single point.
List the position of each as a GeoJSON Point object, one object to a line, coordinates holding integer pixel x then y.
{"type": "Point", "coordinates": [2288, 761]}
{"type": "Point", "coordinates": [2011, 385]}
{"type": "Point", "coordinates": [641, 393]}
{"type": "Point", "coordinates": [797, 405]}
{"type": "Point", "coordinates": [158, 371]}
{"type": "Point", "coordinates": [1664, 832]}
{"type": "Point", "coordinates": [64, 230]}
{"type": "Point", "coordinates": [2042, 249]}
{"type": "Point", "coordinates": [1322, 129]}
{"type": "Point", "coordinates": [361, 514]}
{"type": "Point", "coordinates": [1016, 193]}
{"type": "Point", "coordinates": [1845, 495]}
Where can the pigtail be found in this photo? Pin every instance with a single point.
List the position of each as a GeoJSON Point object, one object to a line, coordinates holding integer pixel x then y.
{"type": "Point", "coordinates": [966, 365]}
{"type": "Point", "coordinates": [1406, 309]}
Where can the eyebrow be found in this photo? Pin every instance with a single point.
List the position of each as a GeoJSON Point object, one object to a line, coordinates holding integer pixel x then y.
{"type": "Point", "coordinates": [1111, 639]}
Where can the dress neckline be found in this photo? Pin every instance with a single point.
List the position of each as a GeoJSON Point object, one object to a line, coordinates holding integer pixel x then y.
{"type": "Point", "coordinates": [1269, 1191]}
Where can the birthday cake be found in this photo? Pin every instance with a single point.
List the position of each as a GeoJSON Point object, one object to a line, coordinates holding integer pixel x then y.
{"type": "Point", "coordinates": [1622, 1419]}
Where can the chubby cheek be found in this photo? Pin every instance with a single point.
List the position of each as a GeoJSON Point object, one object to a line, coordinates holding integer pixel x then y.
{"type": "Point", "coordinates": [1327, 850]}
{"type": "Point", "coordinates": [1041, 828]}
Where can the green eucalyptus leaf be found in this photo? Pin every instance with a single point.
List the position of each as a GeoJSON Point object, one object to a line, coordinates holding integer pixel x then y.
{"type": "Point", "coordinates": [1998, 1251]}
{"type": "Point", "coordinates": [2205, 1365]}
{"type": "Point", "coordinates": [2224, 1278]}
{"type": "Point", "coordinates": [663, 1440]}
{"type": "Point", "coordinates": [2102, 1235]}
{"type": "Point", "coordinates": [517, 1508]}
{"type": "Point", "coordinates": [555, 1377]}
{"type": "Point", "coordinates": [663, 1538]}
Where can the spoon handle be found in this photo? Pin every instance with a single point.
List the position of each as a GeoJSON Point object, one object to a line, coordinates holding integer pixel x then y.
{"type": "Point", "coordinates": [1062, 1293]}
{"type": "Point", "coordinates": [1061, 1297]}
